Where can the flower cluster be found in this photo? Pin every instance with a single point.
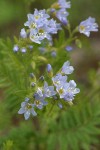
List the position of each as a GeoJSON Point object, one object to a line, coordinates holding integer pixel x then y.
{"type": "Point", "coordinates": [65, 89]}
{"type": "Point", "coordinates": [61, 87]}
{"type": "Point", "coordinates": [38, 100]}
{"type": "Point", "coordinates": [60, 9]}
{"type": "Point", "coordinates": [40, 27]}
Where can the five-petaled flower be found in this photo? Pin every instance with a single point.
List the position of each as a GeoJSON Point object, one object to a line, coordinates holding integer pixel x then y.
{"type": "Point", "coordinates": [27, 109]}
{"type": "Point", "coordinates": [87, 26]}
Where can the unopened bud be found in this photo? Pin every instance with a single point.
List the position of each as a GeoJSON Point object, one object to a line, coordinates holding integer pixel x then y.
{"type": "Point", "coordinates": [41, 78]}
{"type": "Point", "coordinates": [15, 48]}
{"type": "Point", "coordinates": [49, 70]}
{"type": "Point", "coordinates": [33, 84]}
{"type": "Point", "coordinates": [32, 75]}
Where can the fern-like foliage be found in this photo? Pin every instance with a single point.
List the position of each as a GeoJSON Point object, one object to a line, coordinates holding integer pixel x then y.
{"type": "Point", "coordinates": [11, 75]}
{"type": "Point", "coordinates": [78, 128]}
{"type": "Point", "coordinates": [75, 129]}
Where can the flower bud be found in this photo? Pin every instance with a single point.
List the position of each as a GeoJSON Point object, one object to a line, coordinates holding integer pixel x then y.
{"type": "Point", "coordinates": [68, 48]}
{"type": "Point", "coordinates": [49, 70]}
{"type": "Point", "coordinates": [23, 50]}
{"type": "Point", "coordinates": [53, 54]}
{"type": "Point", "coordinates": [41, 78]}
{"type": "Point", "coordinates": [15, 48]}
{"type": "Point", "coordinates": [33, 84]}
{"type": "Point", "coordinates": [32, 75]}
{"type": "Point", "coordinates": [23, 33]}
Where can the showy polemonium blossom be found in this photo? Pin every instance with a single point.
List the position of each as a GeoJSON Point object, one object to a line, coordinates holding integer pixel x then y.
{"type": "Point", "coordinates": [39, 101]}
{"type": "Point", "coordinates": [64, 4]}
{"type": "Point", "coordinates": [23, 33]}
{"type": "Point", "coordinates": [39, 92]}
{"type": "Point", "coordinates": [67, 90]}
{"type": "Point", "coordinates": [66, 68]}
{"type": "Point", "coordinates": [60, 9]}
{"type": "Point", "coordinates": [45, 91]}
{"type": "Point", "coordinates": [36, 19]}
{"type": "Point", "coordinates": [53, 27]}
{"type": "Point", "coordinates": [48, 90]}
{"type": "Point", "coordinates": [61, 89]}
{"type": "Point", "coordinates": [87, 26]}
{"type": "Point", "coordinates": [27, 109]}
{"type": "Point", "coordinates": [59, 79]}
{"type": "Point", "coordinates": [41, 27]}
{"type": "Point", "coordinates": [62, 16]}
{"type": "Point", "coordinates": [71, 91]}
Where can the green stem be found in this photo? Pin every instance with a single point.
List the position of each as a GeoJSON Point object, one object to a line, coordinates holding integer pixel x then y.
{"type": "Point", "coordinates": [51, 109]}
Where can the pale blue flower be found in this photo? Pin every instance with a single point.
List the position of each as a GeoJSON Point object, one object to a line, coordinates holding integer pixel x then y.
{"type": "Point", "coordinates": [34, 38]}
{"type": "Point", "coordinates": [39, 34]}
{"type": "Point", "coordinates": [67, 90]}
{"type": "Point", "coordinates": [39, 92]}
{"type": "Point", "coordinates": [39, 101]}
{"type": "Point", "coordinates": [23, 33]}
{"type": "Point", "coordinates": [48, 91]}
{"type": "Point", "coordinates": [44, 31]}
{"type": "Point", "coordinates": [87, 26]}
{"type": "Point", "coordinates": [62, 16]}
{"type": "Point", "coordinates": [66, 68]}
{"type": "Point", "coordinates": [53, 26]}
{"type": "Point", "coordinates": [30, 23]}
{"type": "Point", "coordinates": [41, 27]}
{"type": "Point", "coordinates": [61, 89]}
{"type": "Point", "coordinates": [27, 109]}
{"type": "Point", "coordinates": [36, 19]}
{"type": "Point", "coordinates": [59, 79]}
{"type": "Point", "coordinates": [71, 90]}
{"type": "Point", "coordinates": [64, 4]}
{"type": "Point", "coordinates": [62, 13]}
{"type": "Point", "coordinates": [69, 96]}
